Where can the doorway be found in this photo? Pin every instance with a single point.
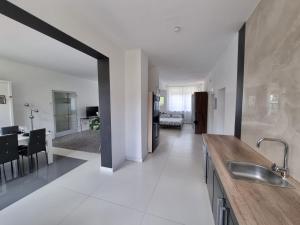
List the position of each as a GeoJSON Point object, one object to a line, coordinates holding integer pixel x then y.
{"type": "Point", "coordinates": [65, 113]}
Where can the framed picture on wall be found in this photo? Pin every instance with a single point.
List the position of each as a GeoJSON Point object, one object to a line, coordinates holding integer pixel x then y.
{"type": "Point", "coordinates": [2, 99]}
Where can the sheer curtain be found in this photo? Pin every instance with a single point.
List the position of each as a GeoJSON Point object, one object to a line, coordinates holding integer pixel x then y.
{"type": "Point", "coordinates": [180, 100]}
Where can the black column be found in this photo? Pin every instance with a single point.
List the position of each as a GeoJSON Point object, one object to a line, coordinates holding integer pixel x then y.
{"type": "Point", "coordinates": [240, 82]}
{"type": "Point", "coordinates": [104, 109]}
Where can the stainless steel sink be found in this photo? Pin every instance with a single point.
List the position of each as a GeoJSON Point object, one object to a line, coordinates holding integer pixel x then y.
{"type": "Point", "coordinates": [255, 173]}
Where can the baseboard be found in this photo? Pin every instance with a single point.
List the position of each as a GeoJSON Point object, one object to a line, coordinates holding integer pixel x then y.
{"type": "Point", "coordinates": [106, 170]}
{"type": "Point", "coordinates": [135, 159]}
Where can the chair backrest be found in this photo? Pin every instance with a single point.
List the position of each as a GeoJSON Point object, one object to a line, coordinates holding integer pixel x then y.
{"type": "Point", "coordinates": [37, 141]}
{"type": "Point", "coordinates": [8, 148]}
{"type": "Point", "coordinates": [10, 130]}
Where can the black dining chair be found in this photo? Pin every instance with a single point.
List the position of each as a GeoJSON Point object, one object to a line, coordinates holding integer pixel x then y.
{"type": "Point", "coordinates": [9, 152]}
{"type": "Point", "coordinates": [10, 130]}
{"type": "Point", "coordinates": [36, 144]}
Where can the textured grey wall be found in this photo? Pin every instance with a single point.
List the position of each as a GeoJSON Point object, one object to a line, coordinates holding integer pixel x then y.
{"type": "Point", "coordinates": [271, 105]}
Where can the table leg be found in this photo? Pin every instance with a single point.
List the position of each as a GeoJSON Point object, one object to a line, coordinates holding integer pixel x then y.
{"type": "Point", "coordinates": [50, 155]}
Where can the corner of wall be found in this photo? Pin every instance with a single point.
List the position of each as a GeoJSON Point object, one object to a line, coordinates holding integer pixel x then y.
{"type": "Point", "coordinates": [224, 75]}
{"type": "Point", "coordinates": [136, 95]}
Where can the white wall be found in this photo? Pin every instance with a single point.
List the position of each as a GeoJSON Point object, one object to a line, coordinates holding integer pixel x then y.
{"type": "Point", "coordinates": [136, 92]}
{"type": "Point", "coordinates": [219, 113]}
{"type": "Point", "coordinates": [6, 110]}
{"type": "Point", "coordinates": [144, 100]}
{"type": "Point", "coordinates": [153, 84]}
{"type": "Point", "coordinates": [34, 85]}
{"type": "Point", "coordinates": [224, 75]}
{"type": "Point", "coordinates": [56, 16]}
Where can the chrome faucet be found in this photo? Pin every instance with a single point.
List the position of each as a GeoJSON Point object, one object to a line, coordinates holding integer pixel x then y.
{"type": "Point", "coordinates": [282, 170]}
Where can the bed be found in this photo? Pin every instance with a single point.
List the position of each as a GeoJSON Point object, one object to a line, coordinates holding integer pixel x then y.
{"type": "Point", "coordinates": [171, 120]}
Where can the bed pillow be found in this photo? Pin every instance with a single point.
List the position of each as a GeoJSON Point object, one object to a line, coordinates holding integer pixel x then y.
{"type": "Point", "coordinates": [165, 115]}
{"type": "Point", "coordinates": [176, 116]}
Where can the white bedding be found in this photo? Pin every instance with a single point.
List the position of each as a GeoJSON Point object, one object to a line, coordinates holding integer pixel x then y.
{"type": "Point", "coordinates": [171, 121]}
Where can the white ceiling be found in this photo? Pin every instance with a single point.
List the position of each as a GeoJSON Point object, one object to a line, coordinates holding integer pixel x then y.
{"type": "Point", "coordinates": [207, 28]}
{"type": "Point", "coordinates": [22, 44]}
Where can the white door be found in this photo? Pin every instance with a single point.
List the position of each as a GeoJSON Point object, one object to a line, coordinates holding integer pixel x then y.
{"type": "Point", "coordinates": [6, 104]}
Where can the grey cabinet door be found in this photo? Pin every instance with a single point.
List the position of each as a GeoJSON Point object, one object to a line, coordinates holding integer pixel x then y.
{"type": "Point", "coordinates": [231, 220]}
{"type": "Point", "coordinates": [210, 179]}
{"type": "Point", "coordinates": [217, 196]}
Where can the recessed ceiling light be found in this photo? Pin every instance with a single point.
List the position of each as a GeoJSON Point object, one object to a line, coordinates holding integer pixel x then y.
{"type": "Point", "coordinates": [177, 29]}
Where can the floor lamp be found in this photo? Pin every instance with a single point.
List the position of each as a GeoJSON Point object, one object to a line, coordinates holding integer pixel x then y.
{"type": "Point", "coordinates": [31, 116]}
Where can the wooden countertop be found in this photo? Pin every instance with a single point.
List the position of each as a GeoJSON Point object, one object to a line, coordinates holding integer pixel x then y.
{"type": "Point", "coordinates": [253, 203]}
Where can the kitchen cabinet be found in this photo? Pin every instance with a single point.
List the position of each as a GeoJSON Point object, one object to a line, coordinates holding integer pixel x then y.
{"type": "Point", "coordinates": [210, 179]}
{"type": "Point", "coordinates": [218, 201]}
{"type": "Point", "coordinates": [222, 212]}
{"type": "Point", "coordinates": [248, 202]}
{"type": "Point", "coordinates": [231, 220]}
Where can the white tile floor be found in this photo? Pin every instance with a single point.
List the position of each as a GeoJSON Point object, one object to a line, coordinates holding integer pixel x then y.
{"type": "Point", "coordinates": [167, 189]}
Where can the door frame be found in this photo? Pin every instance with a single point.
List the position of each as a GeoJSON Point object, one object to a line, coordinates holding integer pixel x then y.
{"type": "Point", "coordinates": [63, 133]}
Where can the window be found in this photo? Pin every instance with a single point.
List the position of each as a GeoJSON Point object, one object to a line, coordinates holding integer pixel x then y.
{"type": "Point", "coordinates": [180, 98]}
{"type": "Point", "coordinates": [161, 101]}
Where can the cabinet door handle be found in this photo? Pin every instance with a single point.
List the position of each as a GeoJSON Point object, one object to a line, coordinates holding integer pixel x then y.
{"type": "Point", "coordinates": [225, 215]}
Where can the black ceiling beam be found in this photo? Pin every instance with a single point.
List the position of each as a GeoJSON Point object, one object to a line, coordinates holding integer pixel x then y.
{"type": "Point", "coordinates": [18, 14]}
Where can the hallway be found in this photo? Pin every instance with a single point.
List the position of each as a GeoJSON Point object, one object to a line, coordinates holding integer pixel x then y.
{"type": "Point", "coordinates": [167, 189]}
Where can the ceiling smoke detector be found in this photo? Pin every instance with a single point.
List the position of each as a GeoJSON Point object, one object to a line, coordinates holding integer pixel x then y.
{"type": "Point", "coordinates": [177, 29]}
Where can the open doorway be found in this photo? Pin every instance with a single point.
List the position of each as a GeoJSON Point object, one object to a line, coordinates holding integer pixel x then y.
{"type": "Point", "coordinates": [178, 110]}
{"type": "Point", "coordinates": [17, 14]}
{"type": "Point", "coordinates": [32, 67]}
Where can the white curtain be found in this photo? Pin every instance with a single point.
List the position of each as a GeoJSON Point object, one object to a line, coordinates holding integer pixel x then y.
{"type": "Point", "coordinates": [180, 100]}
